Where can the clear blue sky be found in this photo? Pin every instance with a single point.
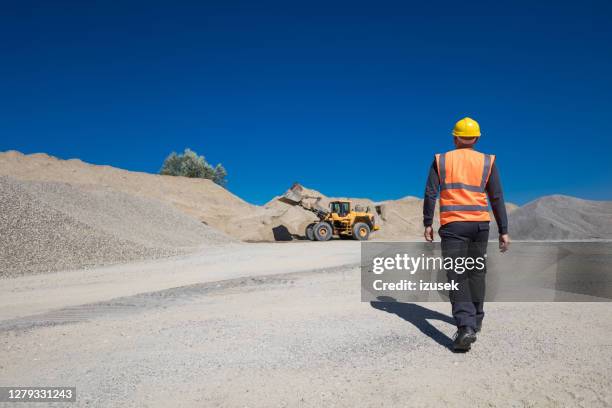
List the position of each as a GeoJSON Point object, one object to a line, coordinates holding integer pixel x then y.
{"type": "Point", "coordinates": [349, 98]}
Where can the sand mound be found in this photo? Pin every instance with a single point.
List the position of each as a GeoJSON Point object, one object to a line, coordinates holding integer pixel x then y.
{"type": "Point", "coordinates": [402, 219]}
{"type": "Point", "coordinates": [559, 217]}
{"type": "Point", "coordinates": [200, 198]}
{"type": "Point", "coordinates": [50, 226]}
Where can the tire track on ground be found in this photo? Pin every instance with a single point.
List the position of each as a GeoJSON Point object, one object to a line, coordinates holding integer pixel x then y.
{"type": "Point", "coordinates": [157, 299]}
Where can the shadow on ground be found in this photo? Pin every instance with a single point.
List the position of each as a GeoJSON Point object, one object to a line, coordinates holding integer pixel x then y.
{"type": "Point", "coordinates": [418, 316]}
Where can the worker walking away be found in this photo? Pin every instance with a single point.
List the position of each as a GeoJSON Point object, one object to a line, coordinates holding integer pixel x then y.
{"type": "Point", "coordinates": [464, 178]}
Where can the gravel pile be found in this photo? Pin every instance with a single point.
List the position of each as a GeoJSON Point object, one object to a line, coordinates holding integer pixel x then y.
{"type": "Point", "coordinates": [559, 217]}
{"type": "Point", "coordinates": [199, 198]}
{"type": "Point", "coordinates": [48, 226]}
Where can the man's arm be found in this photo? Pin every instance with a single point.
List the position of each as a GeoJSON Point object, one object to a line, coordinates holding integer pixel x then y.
{"type": "Point", "coordinates": [496, 198]}
{"type": "Point", "coordinates": [498, 205]}
{"type": "Point", "coordinates": [432, 188]}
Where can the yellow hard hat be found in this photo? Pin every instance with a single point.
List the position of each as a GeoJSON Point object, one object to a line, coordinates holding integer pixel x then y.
{"type": "Point", "coordinates": [467, 127]}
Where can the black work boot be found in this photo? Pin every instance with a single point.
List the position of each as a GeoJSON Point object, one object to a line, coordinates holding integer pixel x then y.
{"type": "Point", "coordinates": [478, 327]}
{"type": "Point", "coordinates": [464, 338]}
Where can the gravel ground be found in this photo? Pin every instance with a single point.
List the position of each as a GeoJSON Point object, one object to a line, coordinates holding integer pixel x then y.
{"type": "Point", "coordinates": [304, 339]}
{"type": "Point", "coordinates": [47, 226]}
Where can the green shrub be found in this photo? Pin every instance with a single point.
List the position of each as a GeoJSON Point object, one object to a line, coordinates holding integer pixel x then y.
{"type": "Point", "coordinates": [189, 164]}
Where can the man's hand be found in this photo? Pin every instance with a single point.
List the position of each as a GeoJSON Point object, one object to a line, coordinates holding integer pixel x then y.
{"type": "Point", "coordinates": [428, 234]}
{"type": "Point", "coordinates": [504, 242]}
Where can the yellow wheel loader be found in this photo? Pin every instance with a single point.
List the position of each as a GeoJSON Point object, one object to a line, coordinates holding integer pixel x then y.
{"type": "Point", "coordinates": [341, 219]}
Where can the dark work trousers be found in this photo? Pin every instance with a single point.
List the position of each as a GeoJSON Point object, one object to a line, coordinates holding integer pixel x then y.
{"type": "Point", "coordinates": [466, 239]}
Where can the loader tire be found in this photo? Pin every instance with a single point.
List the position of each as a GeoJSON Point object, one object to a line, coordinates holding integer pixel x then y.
{"type": "Point", "coordinates": [309, 233]}
{"type": "Point", "coordinates": [322, 231]}
{"type": "Point", "coordinates": [361, 231]}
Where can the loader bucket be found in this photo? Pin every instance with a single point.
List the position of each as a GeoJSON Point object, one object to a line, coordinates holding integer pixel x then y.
{"type": "Point", "coordinates": [293, 195]}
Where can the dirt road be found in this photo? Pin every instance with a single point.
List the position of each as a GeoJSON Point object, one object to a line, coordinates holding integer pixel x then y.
{"type": "Point", "coordinates": [274, 325]}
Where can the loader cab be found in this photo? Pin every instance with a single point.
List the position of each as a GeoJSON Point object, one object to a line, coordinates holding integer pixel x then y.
{"type": "Point", "coordinates": [342, 208]}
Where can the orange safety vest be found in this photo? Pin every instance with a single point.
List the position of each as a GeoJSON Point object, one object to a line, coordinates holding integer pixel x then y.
{"type": "Point", "coordinates": [463, 178]}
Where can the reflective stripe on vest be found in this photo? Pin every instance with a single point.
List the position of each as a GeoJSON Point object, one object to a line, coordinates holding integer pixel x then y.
{"type": "Point", "coordinates": [463, 179]}
{"type": "Point", "coordinates": [446, 208]}
{"type": "Point", "coordinates": [479, 188]}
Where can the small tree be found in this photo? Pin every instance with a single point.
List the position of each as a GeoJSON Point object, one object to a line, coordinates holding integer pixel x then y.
{"type": "Point", "coordinates": [220, 175]}
{"type": "Point", "coordinates": [189, 164]}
